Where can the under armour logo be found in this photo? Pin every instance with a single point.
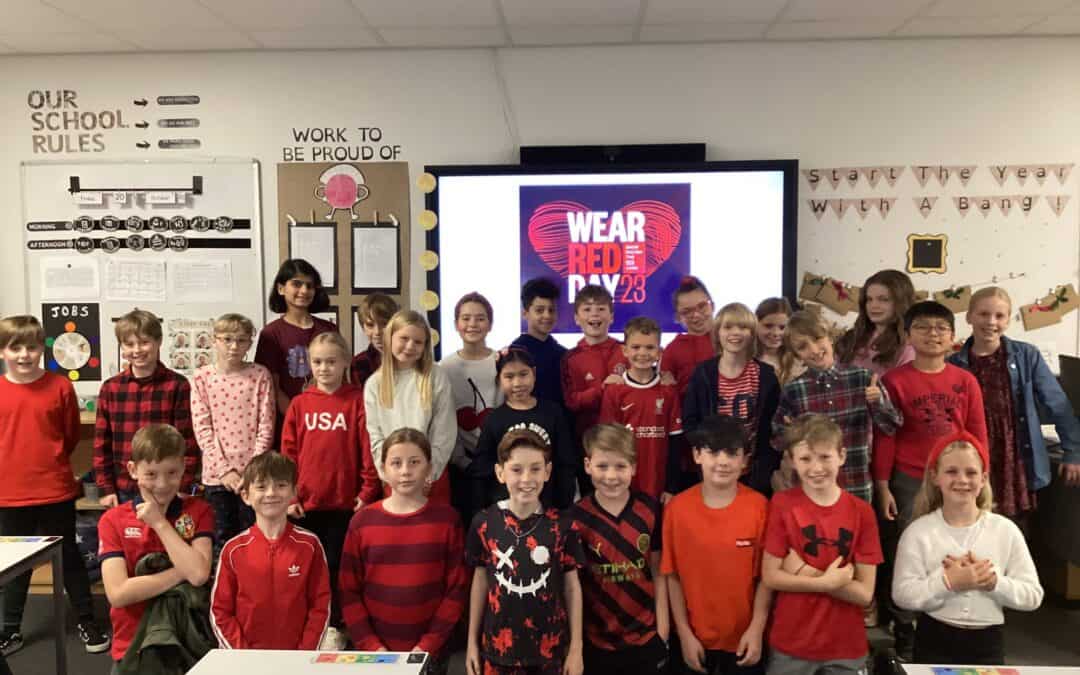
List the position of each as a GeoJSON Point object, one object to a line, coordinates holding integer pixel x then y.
{"type": "Point", "coordinates": [842, 542]}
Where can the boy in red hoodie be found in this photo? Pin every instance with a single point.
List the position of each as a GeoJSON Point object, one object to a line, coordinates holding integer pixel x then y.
{"type": "Point", "coordinates": [325, 433]}
{"type": "Point", "coordinates": [272, 589]}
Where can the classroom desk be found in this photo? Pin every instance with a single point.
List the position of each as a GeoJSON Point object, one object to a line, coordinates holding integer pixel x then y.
{"type": "Point", "coordinates": [22, 554]}
{"type": "Point", "coordinates": [928, 669]}
{"type": "Point", "coordinates": [274, 662]}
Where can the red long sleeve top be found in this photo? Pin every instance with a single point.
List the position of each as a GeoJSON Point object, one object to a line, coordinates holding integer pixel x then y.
{"type": "Point", "coordinates": [326, 435]}
{"type": "Point", "coordinates": [584, 369]}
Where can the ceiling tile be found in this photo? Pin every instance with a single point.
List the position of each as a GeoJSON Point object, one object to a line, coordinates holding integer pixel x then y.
{"type": "Point", "coordinates": [31, 16]}
{"type": "Point", "coordinates": [285, 14]}
{"type": "Point", "coordinates": [65, 43]}
{"type": "Point", "coordinates": [323, 38]}
{"type": "Point", "coordinates": [1073, 8]}
{"type": "Point", "coordinates": [702, 32]}
{"type": "Point", "coordinates": [957, 26]}
{"type": "Point", "coordinates": [428, 13]}
{"type": "Point", "coordinates": [571, 12]}
{"type": "Point", "coordinates": [830, 30]}
{"type": "Point", "coordinates": [136, 15]}
{"type": "Point", "coordinates": [570, 35]}
{"type": "Point", "coordinates": [182, 41]}
{"type": "Point", "coordinates": [996, 7]}
{"type": "Point", "coordinates": [712, 11]}
{"type": "Point", "coordinates": [847, 10]}
{"type": "Point", "coordinates": [478, 36]}
{"type": "Point", "coordinates": [1061, 24]}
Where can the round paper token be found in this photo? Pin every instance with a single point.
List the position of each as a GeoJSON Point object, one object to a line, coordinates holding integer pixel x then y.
{"type": "Point", "coordinates": [223, 224]}
{"type": "Point", "coordinates": [200, 223]}
{"type": "Point", "coordinates": [73, 375]}
{"type": "Point", "coordinates": [135, 224]}
{"type": "Point", "coordinates": [178, 224]}
{"type": "Point", "coordinates": [429, 260]}
{"type": "Point", "coordinates": [159, 242]}
{"type": "Point", "coordinates": [110, 223]}
{"type": "Point", "coordinates": [426, 182]}
{"type": "Point", "coordinates": [428, 219]}
{"type": "Point", "coordinates": [136, 242]}
{"type": "Point", "coordinates": [110, 244]}
{"type": "Point", "coordinates": [84, 245]}
{"type": "Point", "coordinates": [429, 300]}
{"type": "Point", "coordinates": [84, 224]}
{"type": "Point", "coordinates": [71, 351]}
{"type": "Point", "coordinates": [178, 244]}
{"type": "Point", "coordinates": [158, 224]}
{"type": "Point", "coordinates": [434, 337]}
{"type": "Point", "coordinates": [69, 327]}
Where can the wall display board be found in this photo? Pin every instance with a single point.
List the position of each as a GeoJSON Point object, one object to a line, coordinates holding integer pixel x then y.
{"type": "Point", "coordinates": [179, 239]}
{"type": "Point", "coordinates": [351, 221]}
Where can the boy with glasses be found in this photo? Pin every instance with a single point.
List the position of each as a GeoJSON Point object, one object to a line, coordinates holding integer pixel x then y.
{"type": "Point", "coordinates": [936, 399]}
{"type": "Point", "coordinates": [232, 410]}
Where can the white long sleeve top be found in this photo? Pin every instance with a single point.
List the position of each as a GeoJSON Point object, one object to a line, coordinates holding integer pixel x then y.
{"type": "Point", "coordinates": [919, 577]}
{"type": "Point", "coordinates": [438, 422]}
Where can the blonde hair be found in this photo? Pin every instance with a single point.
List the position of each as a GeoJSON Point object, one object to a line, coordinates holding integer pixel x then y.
{"type": "Point", "coordinates": [156, 443]}
{"type": "Point", "coordinates": [813, 429]}
{"type": "Point", "coordinates": [929, 498]}
{"type": "Point", "coordinates": [139, 323]}
{"type": "Point", "coordinates": [334, 339]}
{"type": "Point", "coordinates": [740, 315]}
{"type": "Point", "coordinates": [234, 323]}
{"type": "Point", "coordinates": [387, 368]}
{"type": "Point", "coordinates": [21, 330]}
{"type": "Point", "coordinates": [989, 292]}
{"type": "Point", "coordinates": [613, 438]}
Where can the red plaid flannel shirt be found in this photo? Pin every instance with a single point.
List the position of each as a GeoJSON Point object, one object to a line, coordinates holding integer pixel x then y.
{"type": "Point", "coordinates": [125, 405]}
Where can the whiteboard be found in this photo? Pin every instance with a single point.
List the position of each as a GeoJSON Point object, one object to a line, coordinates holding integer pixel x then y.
{"type": "Point", "coordinates": [181, 239]}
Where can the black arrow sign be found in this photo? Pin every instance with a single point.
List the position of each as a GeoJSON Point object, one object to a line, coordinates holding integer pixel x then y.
{"type": "Point", "coordinates": [142, 125]}
{"type": "Point", "coordinates": [140, 101]}
{"type": "Point", "coordinates": [142, 144]}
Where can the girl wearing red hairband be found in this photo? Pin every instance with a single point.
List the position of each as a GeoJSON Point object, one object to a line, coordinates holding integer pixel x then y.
{"type": "Point", "coordinates": [959, 563]}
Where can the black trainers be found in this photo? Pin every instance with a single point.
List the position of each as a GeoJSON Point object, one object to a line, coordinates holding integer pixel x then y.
{"type": "Point", "coordinates": [93, 638]}
{"type": "Point", "coordinates": [10, 642]}
{"type": "Point", "coordinates": [905, 641]}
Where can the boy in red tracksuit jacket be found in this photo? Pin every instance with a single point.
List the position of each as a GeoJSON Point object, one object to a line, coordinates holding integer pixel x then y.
{"type": "Point", "coordinates": [272, 589]}
{"type": "Point", "coordinates": [325, 433]}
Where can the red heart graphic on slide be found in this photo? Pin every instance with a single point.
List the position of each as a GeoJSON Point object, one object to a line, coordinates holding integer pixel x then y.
{"type": "Point", "coordinates": [549, 233]}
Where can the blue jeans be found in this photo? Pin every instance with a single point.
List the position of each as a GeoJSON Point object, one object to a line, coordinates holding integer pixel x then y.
{"type": "Point", "coordinates": [231, 515]}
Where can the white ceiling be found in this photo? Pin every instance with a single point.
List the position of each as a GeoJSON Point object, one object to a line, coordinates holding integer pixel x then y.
{"type": "Point", "coordinates": [64, 26]}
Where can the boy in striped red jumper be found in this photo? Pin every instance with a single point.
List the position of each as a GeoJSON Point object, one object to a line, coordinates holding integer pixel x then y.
{"type": "Point", "coordinates": [272, 589]}
{"type": "Point", "coordinates": [624, 597]}
{"type": "Point", "coordinates": [408, 597]}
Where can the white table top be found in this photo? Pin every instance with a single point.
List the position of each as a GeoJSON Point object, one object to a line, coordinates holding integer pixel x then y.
{"type": "Point", "coordinates": [14, 550]}
{"type": "Point", "coordinates": [929, 669]}
{"type": "Point", "coordinates": [273, 662]}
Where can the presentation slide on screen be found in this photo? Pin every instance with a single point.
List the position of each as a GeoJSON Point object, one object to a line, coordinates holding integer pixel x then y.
{"type": "Point", "coordinates": [636, 234]}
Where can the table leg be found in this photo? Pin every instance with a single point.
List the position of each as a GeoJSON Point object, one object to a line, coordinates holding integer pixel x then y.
{"type": "Point", "coordinates": [59, 610]}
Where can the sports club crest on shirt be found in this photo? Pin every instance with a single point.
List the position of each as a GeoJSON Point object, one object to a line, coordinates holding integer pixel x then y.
{"type": "Point", "coordinates": [660, 406]}
{"type": "Point", "coordinates": [185, 527]}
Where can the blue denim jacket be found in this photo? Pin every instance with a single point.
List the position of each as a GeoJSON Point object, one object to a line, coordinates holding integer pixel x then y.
{"type": "Point", "coordinates": [1033, 384]}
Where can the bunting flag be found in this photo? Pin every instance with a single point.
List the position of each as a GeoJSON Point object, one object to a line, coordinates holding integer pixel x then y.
{"type": "Point", "coordinates": [1057, 203]}
{"type": "Point", "coordinates": [925, 205]}
{"type": "Point", "coordinates": [1021, 172]}
{"type": "Point", "coordinates": [862, 205]}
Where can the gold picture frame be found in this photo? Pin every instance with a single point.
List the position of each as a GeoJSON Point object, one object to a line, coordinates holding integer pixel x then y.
{"type": "Point", "coordinates": [927, 253]}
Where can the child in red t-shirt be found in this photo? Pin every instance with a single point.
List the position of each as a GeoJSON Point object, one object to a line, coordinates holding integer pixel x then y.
{"type": "Point", "coordinates": [156, 521]}
{"type": "Point", "coordinates": [650, 408]}
{"type": "Point", "coordinates": [39, 427]}
{"type": "Point", "coordinates": [821, 557]}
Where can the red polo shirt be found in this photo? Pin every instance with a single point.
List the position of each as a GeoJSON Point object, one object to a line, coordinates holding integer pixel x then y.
{"type": "Point", "coordinates": [122, 534]}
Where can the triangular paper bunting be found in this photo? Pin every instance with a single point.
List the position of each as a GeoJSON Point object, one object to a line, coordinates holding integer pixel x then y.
{"type": "Point", "coordinates": [852, 176]}
{"type": "Point", "coordinates": [925, 205]}
{"type": "Point", "coordinates": [861, 206]}
{"type": "Point", "coordinates": [1057, 203]}
{"type": "Point", "coordinates": [1004, 204]}
{"type": "Point", "coordinates": [872, 174]}
{"type": "Point", "coordinates": [885, 205]}
{"type": "Point", "coordinates": [964, 173]}
{"type": "Point", "coordinates": [962, 204]}
{"type": "Point", "coordinates": [834, 176]}
{"type": "Point", "coordinates": [1000, 172]}
{"type": "Point", "coordinates": [922, 174]}
{"type": "Point", "coordinates": [1062, 172]}
{"type": "Point", "coordinates": [1039, 172]}
{"type": "Point", "coordinates": [1025, 203]}
{"type": "Point", "coordinates": [818, 207]}
{"type": "Point", "coordinates": [943, 174]}
{"type": "Point", "coordinates": [984, 204]}
{"type": "Point", "coordinates": [813, 177]}
{"type": "Point", "coordinates": [891, 173]}
{"type": "Point", "coordinates": [1021, 173]}
{"type": "Point", "coordinates": [839, 206]}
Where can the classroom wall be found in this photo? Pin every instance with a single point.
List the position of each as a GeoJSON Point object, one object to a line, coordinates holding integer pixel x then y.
{"type": "Point", "coordinates": [975, 102]}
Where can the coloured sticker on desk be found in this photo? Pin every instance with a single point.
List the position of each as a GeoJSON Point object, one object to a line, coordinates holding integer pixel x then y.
{"type": "Point", "coordinates": [988, 670]}
{"type": "Point", "coordinates": [359, 659]}
{"type": "Point", "coordinates": [22, 540]}
{"type": "Point", "coordinates": [72, 340]}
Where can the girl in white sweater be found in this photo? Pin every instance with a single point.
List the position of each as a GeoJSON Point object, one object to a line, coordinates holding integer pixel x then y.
{"type": "Point", "coordinates": [959, 563]}
{"type": "Point", "coordinates": [410, 390]}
